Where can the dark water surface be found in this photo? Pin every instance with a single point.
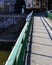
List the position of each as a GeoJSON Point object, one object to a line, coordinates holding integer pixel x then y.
{"type": "Point", "coordinates": [10, 28]}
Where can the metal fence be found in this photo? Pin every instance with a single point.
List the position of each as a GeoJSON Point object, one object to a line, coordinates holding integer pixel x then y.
{"type": "Point", "coordinates": [17, 55]}
{"type": "Point", "coordinates": [49, 14]}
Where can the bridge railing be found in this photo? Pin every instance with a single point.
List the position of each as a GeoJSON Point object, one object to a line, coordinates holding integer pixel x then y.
{"type": "Point", "coordinates": [18, 52]}
{"type": "Point", "coordinates": [49, 14]}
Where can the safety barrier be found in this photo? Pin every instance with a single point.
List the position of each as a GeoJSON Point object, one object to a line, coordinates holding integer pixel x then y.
{"type": "Point", "coordinates": [18, 52]}
{"type": "Point", "coordinates": [49, 14]}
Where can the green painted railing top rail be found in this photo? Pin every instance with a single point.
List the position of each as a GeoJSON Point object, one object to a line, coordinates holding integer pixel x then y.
{"type": "Point", "coordinates": [17, 55]}
{"type": "Point", "coordinates": [49, 14]}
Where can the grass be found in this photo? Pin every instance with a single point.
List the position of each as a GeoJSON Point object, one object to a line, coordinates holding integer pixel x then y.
{"type": "Point", "coordinates": [3, 56]}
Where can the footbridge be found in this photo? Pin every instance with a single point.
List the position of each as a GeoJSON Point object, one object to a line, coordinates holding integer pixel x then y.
{"type": "Point", "coordinates": [34, 44]}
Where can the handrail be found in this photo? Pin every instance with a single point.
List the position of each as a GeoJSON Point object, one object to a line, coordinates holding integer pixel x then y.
{"type": "Point", "coordinates": [18, 52]}
{"type": "Point", "coordinates": [49, 14]}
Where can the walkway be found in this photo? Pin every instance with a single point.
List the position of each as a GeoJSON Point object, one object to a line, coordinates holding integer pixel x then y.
{"type": "Point", "coordinates": [40, 48]}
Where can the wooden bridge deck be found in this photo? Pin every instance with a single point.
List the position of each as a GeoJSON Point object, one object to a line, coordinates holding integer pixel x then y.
{"type": "Point", "coordinates": [40, 48]}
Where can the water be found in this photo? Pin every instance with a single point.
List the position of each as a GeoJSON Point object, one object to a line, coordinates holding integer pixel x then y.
{"type": "Point", "coordinates": [10, 29]}
{"type": "Point", "coordinates": [3, 56]}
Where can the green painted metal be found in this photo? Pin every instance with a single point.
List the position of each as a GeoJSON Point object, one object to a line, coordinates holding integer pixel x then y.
{"type": "Point", "coordinates": [49, 15]}
{"type": "Point", "coordinates": [17, 55]}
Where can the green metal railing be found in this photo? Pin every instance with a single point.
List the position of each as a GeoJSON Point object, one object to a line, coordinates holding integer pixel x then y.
{"type": "Point", "coordinates": [17, 55]}
{"type": "Point", "coordinates": [49, 14]}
